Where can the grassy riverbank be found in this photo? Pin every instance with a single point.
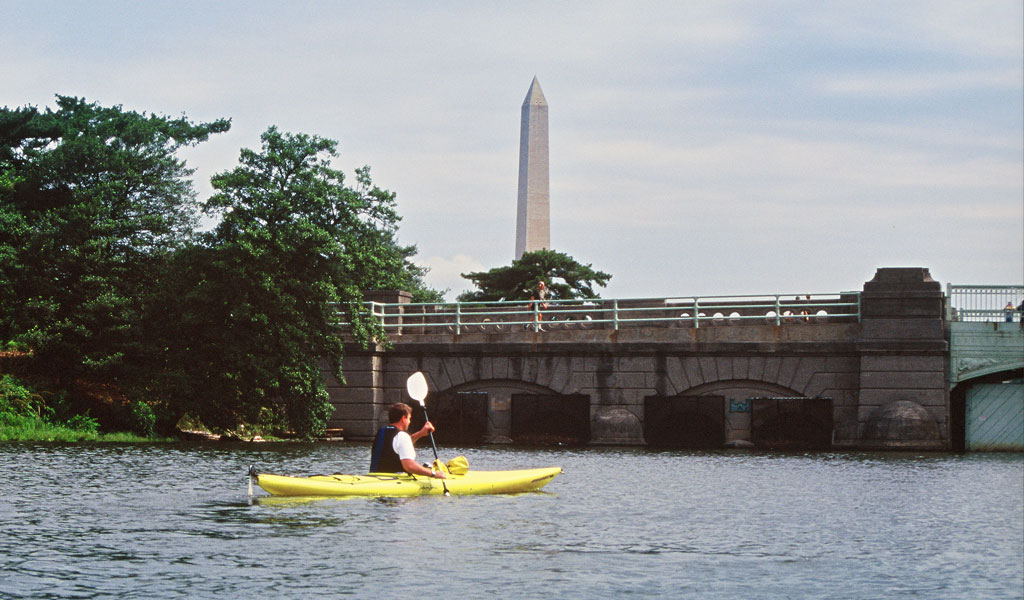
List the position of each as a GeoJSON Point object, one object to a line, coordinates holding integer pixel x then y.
{"type": "Point", "coordinates": [25, 415]}
{"type": "Point", "coordinates": [34, 431]}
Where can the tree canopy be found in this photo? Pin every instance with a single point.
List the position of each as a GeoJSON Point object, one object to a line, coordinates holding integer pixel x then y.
{"type": "Point", "coordinates": [105, 278]}
{"type": "Point", "coordinates": [260, 298]}
{"type": "Point", "coordinates": [92, 199]}
{"type": "Point", "coordinates": [565, 279]}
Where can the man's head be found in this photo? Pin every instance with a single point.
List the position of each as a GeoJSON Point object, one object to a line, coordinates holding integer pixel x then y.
{"type": "Point", "coordinates": [397, 411]}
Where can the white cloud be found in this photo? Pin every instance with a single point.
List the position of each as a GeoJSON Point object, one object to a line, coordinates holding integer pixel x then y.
{"type": "Point", "coordinates": [696, 147]}
{"type": "Point", "coordinates": [891, 84]}
{"type": "Point", "coordinates": [445, 272]}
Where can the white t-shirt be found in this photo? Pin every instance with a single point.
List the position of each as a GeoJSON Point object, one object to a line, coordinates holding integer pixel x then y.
{"type": "Point", "coordinates": [402, 444]}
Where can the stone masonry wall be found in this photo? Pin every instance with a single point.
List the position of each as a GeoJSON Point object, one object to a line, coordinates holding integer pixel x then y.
{"type": "Point", "coordinates": [885, 376]}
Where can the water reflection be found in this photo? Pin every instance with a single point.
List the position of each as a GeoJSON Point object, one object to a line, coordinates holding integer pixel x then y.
{"type": "Point", "coordinates": [294, 501]}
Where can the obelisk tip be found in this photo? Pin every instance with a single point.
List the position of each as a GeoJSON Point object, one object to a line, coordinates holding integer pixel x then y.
{"type": "Point", "coordinates": [535, 96]}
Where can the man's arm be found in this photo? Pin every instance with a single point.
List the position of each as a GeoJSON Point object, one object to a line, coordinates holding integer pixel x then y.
{"type": "Point", "coordinates": [427, 428]}
{"type": "Point", "coordinates": [414, 468]}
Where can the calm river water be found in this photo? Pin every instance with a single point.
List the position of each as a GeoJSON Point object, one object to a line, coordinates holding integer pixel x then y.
{"type": "Point", "coordinates": [175, 521]}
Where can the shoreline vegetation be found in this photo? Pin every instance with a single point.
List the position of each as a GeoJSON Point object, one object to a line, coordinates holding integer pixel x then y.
{"type": "Point", "coordinates": [28, 414]}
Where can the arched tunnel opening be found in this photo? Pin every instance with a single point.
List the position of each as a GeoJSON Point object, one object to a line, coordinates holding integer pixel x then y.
{"type": "Point", "coordinates": [685, 422]}
{"type": "Point", "coordinates": [550, 420]}
{"type": "Point", "coordinates": [791, 423]}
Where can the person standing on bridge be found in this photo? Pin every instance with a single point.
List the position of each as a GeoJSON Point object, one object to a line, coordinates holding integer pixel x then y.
{"type": "Point", "coordinates": [542, 295]}
{"type": "Point", "coordinates": [393, 448]}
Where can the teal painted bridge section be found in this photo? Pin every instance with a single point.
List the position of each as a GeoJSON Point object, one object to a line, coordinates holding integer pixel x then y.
{"type": "Point", "coordinates": [986, 366]}
{"type": "Point", "coordinates": [995, 417]}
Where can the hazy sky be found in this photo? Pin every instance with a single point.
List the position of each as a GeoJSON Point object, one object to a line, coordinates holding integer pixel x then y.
{"type": "Point", "coordinates": [696, 147]}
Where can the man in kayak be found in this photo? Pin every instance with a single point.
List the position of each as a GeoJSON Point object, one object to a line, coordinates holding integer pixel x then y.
{"type": "Point", "coordinates": [393, 450]}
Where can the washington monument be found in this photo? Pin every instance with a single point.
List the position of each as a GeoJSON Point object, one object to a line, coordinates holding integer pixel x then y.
{"type": "Point", "coordinates": [533, 219]}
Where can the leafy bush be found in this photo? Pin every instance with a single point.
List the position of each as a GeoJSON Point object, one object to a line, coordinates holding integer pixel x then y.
{"type": "Point", "coordinates": [18, 400]}
{"type": "Point", "coordinates": [15, 346]}
{"type": "Point", "coordinates": [143, 420]}
{"type": "Point", "coordinates": [83, 423]}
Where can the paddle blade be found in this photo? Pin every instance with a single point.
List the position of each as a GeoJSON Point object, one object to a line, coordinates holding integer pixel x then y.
{"type": "Point", "coordinates": [416, 385]}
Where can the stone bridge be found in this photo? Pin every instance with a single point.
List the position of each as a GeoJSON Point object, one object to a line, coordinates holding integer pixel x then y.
{"type": "Point", "coordinates": [867, 369]}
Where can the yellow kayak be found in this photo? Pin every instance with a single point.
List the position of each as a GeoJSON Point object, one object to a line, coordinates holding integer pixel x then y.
{"type": "Point", "coordinates": [402, 484]}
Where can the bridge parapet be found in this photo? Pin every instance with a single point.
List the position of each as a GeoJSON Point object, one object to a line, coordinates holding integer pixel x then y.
{"type": "Point", "coordinates": [400, 317]}
{"type": "Point", "coordinates": [984, 303]}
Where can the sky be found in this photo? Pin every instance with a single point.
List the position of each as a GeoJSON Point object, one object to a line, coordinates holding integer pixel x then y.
{"type": "Point", "coordinates": [697, 148]}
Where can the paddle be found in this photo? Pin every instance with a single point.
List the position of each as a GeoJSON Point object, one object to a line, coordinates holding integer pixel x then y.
{"type": "Point", "coordinates": [416, 385]}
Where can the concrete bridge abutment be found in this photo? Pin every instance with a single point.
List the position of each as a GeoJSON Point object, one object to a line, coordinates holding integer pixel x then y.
{"type": "Point", "coordinates": [903, 401]}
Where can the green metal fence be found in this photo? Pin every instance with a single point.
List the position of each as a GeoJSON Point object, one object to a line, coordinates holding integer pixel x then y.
{"type": "Point", "coordinates": [548, 315]}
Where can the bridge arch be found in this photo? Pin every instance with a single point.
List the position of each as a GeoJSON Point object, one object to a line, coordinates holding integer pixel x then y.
{"type": "Point", "coordinates": [971, 403]}
{"type": "Point", "coordinates": [507, 410]}
{"type": "Point", "coordinates": [973, 370]}
{"type": "Point", "coordinates": [500, 386]}
{"type": "Point", "coordinates": [739, 412]}
{"type": "Point", "coordinates": [741, 389]}
{"type": "Point", "coordinates": [532, 372]}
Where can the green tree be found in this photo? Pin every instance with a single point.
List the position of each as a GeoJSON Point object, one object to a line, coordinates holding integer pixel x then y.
{"type": "Point", "coordinates": [257, 310]}
{"type": "Point", "coordinates": [564, 277]}
{"type": "Point", "coordinates": [397, 271]}
{"type": "Point", "coordinates": [92, 202]}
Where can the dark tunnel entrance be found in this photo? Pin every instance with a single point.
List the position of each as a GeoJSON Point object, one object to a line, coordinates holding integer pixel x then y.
{"type": "Point", "coordinates": [791, 423]}
{"type": "Point", "coordinates": [548, 420]}
{"type": "Point", "coordinates": [691, 422]}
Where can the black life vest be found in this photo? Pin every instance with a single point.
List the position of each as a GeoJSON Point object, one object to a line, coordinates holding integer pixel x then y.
{"type": "Point", "coordinates": [384, 459]}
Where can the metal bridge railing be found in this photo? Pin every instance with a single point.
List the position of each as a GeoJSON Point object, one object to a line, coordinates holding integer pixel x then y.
{"type": "Point", "coordinates": [983, 302]}
{"type": "Point", "coordinates": [548, 315]}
